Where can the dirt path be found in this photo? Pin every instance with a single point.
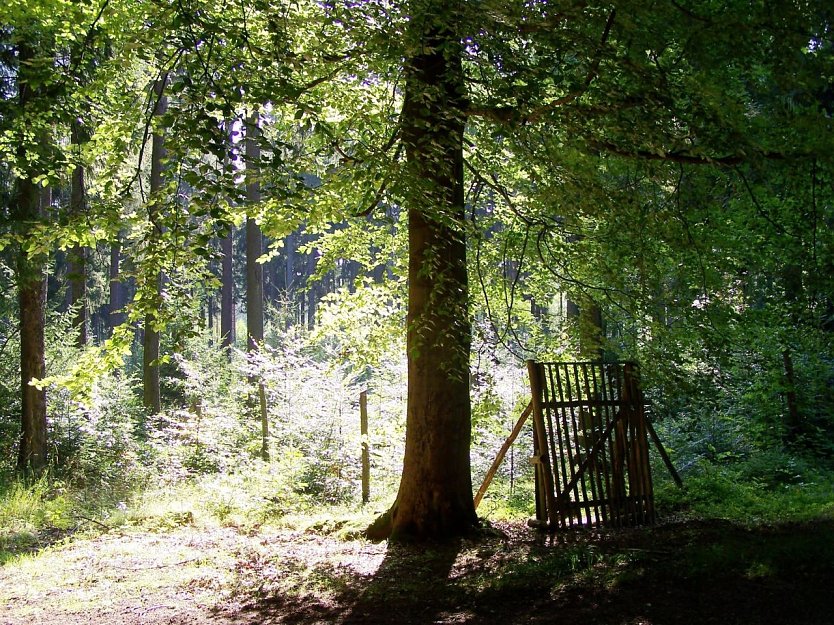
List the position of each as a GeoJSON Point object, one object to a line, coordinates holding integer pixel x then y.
{"type": "Point", "coordinates": [678, 573]}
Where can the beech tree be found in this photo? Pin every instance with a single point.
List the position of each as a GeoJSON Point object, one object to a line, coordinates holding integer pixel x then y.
{"type": "Point", "coordinates": [580, 120]}
{"type": "Point", "coordinates": [418, 103]}
{"type": "Point", "coordinates": [570, 91]}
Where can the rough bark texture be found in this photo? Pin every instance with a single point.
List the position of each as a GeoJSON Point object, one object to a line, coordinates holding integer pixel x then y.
{"type": "Point", "coordinates": [255, 277]}
{"type": "Point", "coordinates": [435, 495]}
{"type": "Point", "coordinates": [31, 281]}
{"type": "Point", "coordinates": [78, 254]}
{"type": "Point", "coordinates": [152, 398]}
{"type": "Point", "coordinates": [32, 453]}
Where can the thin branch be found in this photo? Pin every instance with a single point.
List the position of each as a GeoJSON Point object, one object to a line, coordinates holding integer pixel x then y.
{"type": "Point", "coordinates": [759, 208]}
{"type": "Point", "coordinates": [89, 35]}
{"type": "Point", "coordinates": [505, 114]}
{"type": "Point", "coordinates": [382, 188]}
{"type": "Point", "coordinates": [674, 157]}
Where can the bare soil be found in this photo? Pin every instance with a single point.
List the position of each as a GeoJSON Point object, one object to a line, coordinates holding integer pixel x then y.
{"type": "Point", "coordinates": [675, 573]}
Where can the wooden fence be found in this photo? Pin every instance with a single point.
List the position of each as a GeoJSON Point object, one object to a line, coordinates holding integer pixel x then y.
{"type": "Point", "coordinates": [590, 445]}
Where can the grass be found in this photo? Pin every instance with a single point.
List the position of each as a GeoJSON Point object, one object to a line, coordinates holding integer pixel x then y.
{"type": "Point", "coordinates": [730, 493]}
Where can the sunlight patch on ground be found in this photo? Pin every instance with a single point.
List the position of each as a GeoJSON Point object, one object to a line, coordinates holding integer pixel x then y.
{"type": "Point", "coordinates": [102, 573]}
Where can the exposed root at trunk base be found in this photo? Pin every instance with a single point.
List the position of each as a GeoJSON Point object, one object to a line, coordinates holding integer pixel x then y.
{"type": "Point", "coordinates": [393, 529]}
{"type": "Point", "coordinates": [381, 528]}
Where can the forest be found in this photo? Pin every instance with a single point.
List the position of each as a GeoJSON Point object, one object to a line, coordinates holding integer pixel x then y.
{"type": "Point", "coordinates": [273, 271]}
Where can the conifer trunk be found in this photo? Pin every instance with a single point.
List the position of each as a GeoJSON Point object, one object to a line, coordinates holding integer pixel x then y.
{"type": "Point", "coordinates": [30, 202]}
{"type": "Point", "coordinates": [116, 296]}
{"type": "Point", "coordinates": [254, 244]}
{"type": "Point", "coordinates": [152, 396]}
{"type": "Point", "coordinates": [227, 294]}
{"type": "Point", "coordinates": [254, 275]}
{"type": "Point", "coordinates": [78, 254]}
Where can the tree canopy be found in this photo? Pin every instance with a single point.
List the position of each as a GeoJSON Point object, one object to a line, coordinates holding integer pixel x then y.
{"type": "Point", "coordinates": [664, 169]}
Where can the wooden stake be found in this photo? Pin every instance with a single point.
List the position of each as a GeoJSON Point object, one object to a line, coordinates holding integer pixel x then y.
{"type": "Point", "coordinates": [366, 454]}
{"type": "Point", "coordinates": [534, 372]}
{"type": "Point", "coordinates": [501, 453]}
{"type": "Point", "coordinates": [264, 422]}
{"type": "Point", "coordinates": [666, 460]}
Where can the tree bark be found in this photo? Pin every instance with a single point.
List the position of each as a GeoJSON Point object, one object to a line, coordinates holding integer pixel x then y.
{"type": "Point", "coordinates": [254, 274]}
{"type": "Point", "coordinates": [117, 299]}
{"type": "Point", "coordinates": [793, 425]}
{"type": "Point", "coordinates": [29, 207]}
{"type": "Point", "coordinates": [434, 500]}
{"type": "Point", "coordinates": [32, 453]}
{"type": "Point", "coordinates": [78, 254]}
{"type": "Point", "coordinates": [254, 245]}
{"type": "Point", "coordinates": [227, 295]}
{"type": "Point", "coordinates": [152, 396]}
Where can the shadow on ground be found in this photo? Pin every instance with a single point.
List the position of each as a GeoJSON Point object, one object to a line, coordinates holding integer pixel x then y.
{"type": "Point", "coordinates": [672, 574]}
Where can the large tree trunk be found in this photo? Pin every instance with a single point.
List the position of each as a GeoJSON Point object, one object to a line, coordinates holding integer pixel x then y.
{"type": "Point", "coordinates": [31, 281]}
{"type": "Point", "coordinates": [435, 495]}
{"type": "Point", "coordinates": [32, 453]}
{"type": "Point", "coordinates": [152, 396]}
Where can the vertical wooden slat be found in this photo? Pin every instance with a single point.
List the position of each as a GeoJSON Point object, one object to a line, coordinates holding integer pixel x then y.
{"type": "Point", "coordinates": [641, 439]}
{"type": "Point", "coordinates": [564, 443]}
{"type": "Point", "coordinates": [534, 371]}
{"type": "Point", "coordinates": [553, 432]}
{"type": "Point", "coordinates": [538, 476]}
{"type": "Point", "coordinates": [583, 478]}
{"type": "Point", "coordinates": [567, 418]}
{"type": "Point", "coordinates": [631, 460]}
{"type": "Point", "coordinates": [590, 433]}
{"type": "Point", "coordinates": [607, 416]}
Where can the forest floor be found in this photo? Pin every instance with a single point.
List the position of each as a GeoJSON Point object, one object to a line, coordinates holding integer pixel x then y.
{"type": "Point", "coordinates": [677, 572]}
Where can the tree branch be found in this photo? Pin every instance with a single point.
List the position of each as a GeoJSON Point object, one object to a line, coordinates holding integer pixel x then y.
{"type": "Point", "coordinates": [673, 157]}
{"type": "Point", "coordinates": [505, 114]}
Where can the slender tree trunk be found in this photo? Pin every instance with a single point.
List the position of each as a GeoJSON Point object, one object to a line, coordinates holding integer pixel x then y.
{"type": "Point", "coordinates": [793, 425]}
{"type": "Point", "coordinates": [117, 299]}
{"type": "Point", "coordinates": [794, 422]}
{"type": "Point", "coordinates": [227, 294]}
{"type": "Point", "coordinates": [254, 274]}
{"type": "Point", "coordinates": [434, 500]}
{"type": "Point", "coordinates": [78, 254]}
{"type": "Point", "coordinates": [152, 397]}
{"type": "Point", "coordinates": [254, 246]}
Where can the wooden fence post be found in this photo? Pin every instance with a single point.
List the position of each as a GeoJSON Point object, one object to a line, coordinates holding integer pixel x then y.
{"type": "Point", "coordinates": [366, 454]}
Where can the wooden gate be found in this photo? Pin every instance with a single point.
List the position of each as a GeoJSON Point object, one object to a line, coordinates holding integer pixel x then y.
{"type": "Point", "coordinates": [590, 447]}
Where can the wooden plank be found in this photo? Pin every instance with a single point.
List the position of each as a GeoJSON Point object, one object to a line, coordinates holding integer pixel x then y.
{"type": "Point", "coordinates": [501, 453]}
{"type": "Point", "coordinates": [564, 457]}
{"type": "Point", "coordinates": [579, 403]}
{"type": "Point", "coordinates": [666, 460]}
{"type": "Point", "coordinates": [366, 455]}
{"type": "Point", "coordinates": [534, 372]}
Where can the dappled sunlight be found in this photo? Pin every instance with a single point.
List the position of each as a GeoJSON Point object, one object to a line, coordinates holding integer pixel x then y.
{"type": "Point", "coordinates": [509, 575]}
